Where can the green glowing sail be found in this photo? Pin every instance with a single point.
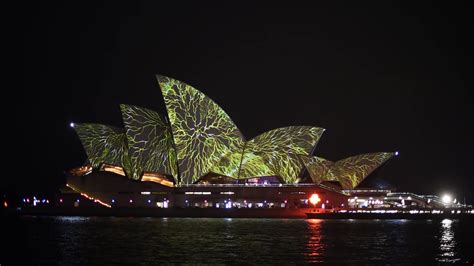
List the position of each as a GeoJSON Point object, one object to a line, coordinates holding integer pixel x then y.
{"type": "Point", "coordinates": [150, 142]}
{"type": "Point", "coordinates": [104, 144]}
{"type": "Point", "coordinates": [275, 152]}
{"type": "Point", "coordinates": [288, 167]}
{"type": "Point", "coordinates": [203, 133]}
{"type": "Point", "coordinates": [350, 171]}
{"type": "Point", "coordinates": [229, 164]}
{"type": "Point", "coordinates": [318, 168]}
{"type": "Point", "coordinates": [201, 139]}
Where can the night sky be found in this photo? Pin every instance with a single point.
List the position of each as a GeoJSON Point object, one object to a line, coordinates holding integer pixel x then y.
{"type": "Point", "coordinates": [381, 77]}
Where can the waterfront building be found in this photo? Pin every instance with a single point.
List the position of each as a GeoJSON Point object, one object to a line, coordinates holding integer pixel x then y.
{"type": "Point", "coordinates": [195, 156]}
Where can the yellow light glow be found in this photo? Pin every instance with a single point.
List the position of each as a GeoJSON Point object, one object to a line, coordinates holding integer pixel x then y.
{"type": "Point", "coordinates": [81, 171]}
{"type": "Point", "coordinates": [157, 178]}
{"type": "Point", "coordinates": [314, 199]}
{"type": "Point", "coordinates": [113, 169]}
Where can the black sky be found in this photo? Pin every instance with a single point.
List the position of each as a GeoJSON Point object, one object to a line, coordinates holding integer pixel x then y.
{"type": "Point", "coordinates": [381, 77]}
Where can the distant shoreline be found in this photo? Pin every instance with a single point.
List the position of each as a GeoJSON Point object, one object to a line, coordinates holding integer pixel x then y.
{"type": "Point", "coordinates": [169, 212]}
{"type": "Point", "coordinates": [390, 216]}
{"type": "Point", "coordinates": [302, 213]}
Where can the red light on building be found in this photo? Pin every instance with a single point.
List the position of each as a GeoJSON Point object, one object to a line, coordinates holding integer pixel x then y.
{"type": "Point", "coordinates": [5, 204]}
{"type": "Point", "coordinates": [314, 199]}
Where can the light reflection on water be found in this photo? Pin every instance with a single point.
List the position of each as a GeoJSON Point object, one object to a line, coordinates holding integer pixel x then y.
{"type": "Point", "coordinates": [71, 219]}
{"type": "Point", "coordinates": [111, 240]}
{"type": "Point", "coordinates": [447, 242]}
{"type": "Point", "coordinates": [315, 247]}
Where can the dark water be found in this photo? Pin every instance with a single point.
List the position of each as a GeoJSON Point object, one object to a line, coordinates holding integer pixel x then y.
{"type": "Point", "coordinates": [78, 240]}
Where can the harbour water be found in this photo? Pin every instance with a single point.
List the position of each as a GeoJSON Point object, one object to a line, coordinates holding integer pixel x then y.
{"type": "Point", "coordinates": [113, 240]}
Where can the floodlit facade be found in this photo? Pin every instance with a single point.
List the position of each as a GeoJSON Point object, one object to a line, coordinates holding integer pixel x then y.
{"type": "Point", "coordinates": [197, 144]}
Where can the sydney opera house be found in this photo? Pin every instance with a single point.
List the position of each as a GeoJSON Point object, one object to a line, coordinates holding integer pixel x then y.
{"type": "Point", "coordinates": [195, 156]}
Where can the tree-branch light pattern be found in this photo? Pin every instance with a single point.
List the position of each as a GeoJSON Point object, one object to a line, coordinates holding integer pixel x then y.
{"type": "Point", "coordinates": [199, 138]}
{"type": "Point", "coordinates": [207, 140]}
{"type": "Point", "coordinates": [350, 171]}
{"type": "Point", "coordinates": [203, 133]}
{"type": "Point", "coordinates": [150, 142]}
{"type": "Point", "coordinates": [318, 168]}
{"type": "Point", "coordinates": [277, 152]}
{"type": "Point", "coordinates": [104, 144]}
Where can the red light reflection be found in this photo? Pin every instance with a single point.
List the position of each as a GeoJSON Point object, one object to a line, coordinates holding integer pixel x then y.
{"type": "Point", "coordinates": [314, 246]}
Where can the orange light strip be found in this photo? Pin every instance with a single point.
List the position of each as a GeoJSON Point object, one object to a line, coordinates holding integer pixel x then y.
{"type": "Point", "coordinates": [81, 171]}
{"type": "Point", "coordinates": [156, 179]}
{"type": "Point", "coordinates": [114, 169]}
{"type": "Point", "coordinates": [90, 198]}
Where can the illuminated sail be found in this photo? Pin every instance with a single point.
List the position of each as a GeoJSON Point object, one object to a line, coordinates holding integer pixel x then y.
{"type": "Point", "coordinates": [276, 152]}
{"type": "Point", "coordinates": [150, 142]}
{"type": "Point", "coordinates": [350, 172]}
{"type": "Point", "coordinates": [104, 145]}
{"type": "Point", "coordinates": [203, 133]}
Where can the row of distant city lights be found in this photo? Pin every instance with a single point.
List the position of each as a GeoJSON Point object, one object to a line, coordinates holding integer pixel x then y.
{"type": "Point", "coordinates": [35, 201]}
{"type": "Point", "coordinates": [447, 199]}
{"type": "Point", "coordinates": [149, 201]}
{"type": "Point", "coordinates": [245, 201]}
{"type": "Point", "coordinates": [113, 201]}
{"type": "Point", "coordinates": [313, 200]}
{"type": "Point", "coordinates": [27, 200]}
{"type": "Point", "coordinates": [228, 203]}
{"type": "Point", "coordinates": [411, 211]}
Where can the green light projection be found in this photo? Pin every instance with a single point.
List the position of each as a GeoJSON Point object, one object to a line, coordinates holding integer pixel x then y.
{"type": "Point", "coordinates": [229, 164]}
{"type": "Point", "coordinates": [104, 144]}
{"type": "Point", "coordinates": [288, 167]}
{"type": "Point", "coordinates": [350, 171]}
{"type": "Point", "coordinates": [203, 133]}
{"type": "Point", "coordinates": [318, 168]}
{"type": "Point", "coordinates": [208, 141]}
{"type": "Point", "coordinates": [201, 139]}
{"type": "Point", "coordinates": [278, 152]}
{"type": "Point", "coordinates": [150, 142]}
